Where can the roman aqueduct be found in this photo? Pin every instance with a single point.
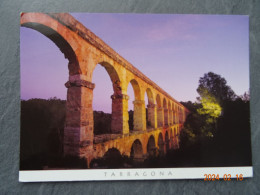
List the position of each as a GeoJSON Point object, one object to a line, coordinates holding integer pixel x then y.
{"type": "Point", "coordinates": [84, 50]}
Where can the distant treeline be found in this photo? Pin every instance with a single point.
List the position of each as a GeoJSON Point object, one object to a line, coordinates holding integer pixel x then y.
{"type": "Point", "coordinates": [227, 144]}
{"type": "Point", "coordinates": [42, 127]}
{"type": "Point", "coordinates": [215, 133]}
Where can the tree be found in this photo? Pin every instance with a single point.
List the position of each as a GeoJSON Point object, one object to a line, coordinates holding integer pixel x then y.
{"type": "Point", "coordinates": [245, 97]}
{"type": "Point", "coordinates": [210, 106]}
{"type": "Point", "coordinates": [214, 93]}
{"type": "Point", "coordinates": [216, 86]}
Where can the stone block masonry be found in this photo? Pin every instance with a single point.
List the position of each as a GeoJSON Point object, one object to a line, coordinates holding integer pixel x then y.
{"type": "Point", "coordinates": [85, 50]}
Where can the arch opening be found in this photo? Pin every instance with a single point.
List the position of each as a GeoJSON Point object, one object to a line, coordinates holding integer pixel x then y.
{"type": "Point", "coordinates": [104, 76]}
{"type": "Point", "coordinates": [60, 42]}
{"type": "Point", "coordinates": [151, 147]}
{"type": "Point", "coordinates": [137, 151]}
{"type": "Point", "coordinates": [166, 112]}
{"type": "Point", "coordinates": [111, 92]}
{"type": "Point", "coordinates": [170, 113]}
{"type": "Point", "coordinates": [159, 111]}
{"type": "Point", "coordinates": [150, 109]}
{"type": "Point", "coordinates": [161, 144]}
{"type": "Point", "coordinates": [43, 107]}
{"type": "Point", "coordinates": [111, 159]}
{"type": "Point", "coordinates": [137, 113]}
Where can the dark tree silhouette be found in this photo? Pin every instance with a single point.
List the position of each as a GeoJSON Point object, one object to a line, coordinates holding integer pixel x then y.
{"type": "Point", "coordinates": [214, 138]}
{"type": "Point", "coordinates": [217, 86]}
{"type": "Point", "coordinates": [223, 141]}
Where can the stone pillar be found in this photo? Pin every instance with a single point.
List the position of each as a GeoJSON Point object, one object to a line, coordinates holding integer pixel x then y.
{"type": "Point", "coordinates": [152, 115]}
{"type": "Point", "coordinates": [166, 116]}
{"type": "Point", "coordinates": [170, 117]}
{"type": "Point", "coordinates": [119, 123]}
{"type": "Point", "coordinates": [160, 117]}
{"type": "Point", "coordinates": [78, 131]}
{"type": "Point", "coordinates": [173, 117]}
{"type": "Point", "coordinates": [139, 115]}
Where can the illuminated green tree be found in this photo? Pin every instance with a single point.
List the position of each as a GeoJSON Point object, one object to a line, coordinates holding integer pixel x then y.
{"type": "Point", "coordinates": [214, 85]}
{"type": "Point", "coordinates": [210, 106]}
{"type": "Point", "coordinates": [213, 91]}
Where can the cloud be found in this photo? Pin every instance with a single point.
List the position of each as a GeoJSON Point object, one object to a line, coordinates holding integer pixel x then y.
{"type": "Point", "coordinates": [178, 28]}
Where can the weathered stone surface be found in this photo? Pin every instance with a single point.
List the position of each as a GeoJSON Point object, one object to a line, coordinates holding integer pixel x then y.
{"type": "Point", "coordinates": [85, 50]}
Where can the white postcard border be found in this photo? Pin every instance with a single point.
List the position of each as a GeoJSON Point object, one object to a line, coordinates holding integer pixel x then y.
{"type": "Point", "coordinates": [132, 174]}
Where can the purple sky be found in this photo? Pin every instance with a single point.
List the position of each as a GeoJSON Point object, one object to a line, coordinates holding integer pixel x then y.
{"type": "Point", "coordinates": [172, 50]}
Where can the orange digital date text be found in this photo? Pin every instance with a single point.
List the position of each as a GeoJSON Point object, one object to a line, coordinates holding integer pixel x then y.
{"type": "Point", "coordinates": [226, 177]}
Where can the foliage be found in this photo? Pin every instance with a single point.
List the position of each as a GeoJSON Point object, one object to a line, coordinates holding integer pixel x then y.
{"type": "Point", "coordinates": [210, 106]}
{"type": "Point", "coordinates": [42, 127]}
{"type": "Point", "coordinates": [192, 107]}
{"type": "Point", "coordinates": [217, 131]}
{"type": "Point", "coordinates": [196, 127]}
{"type": "Point", "coordinates": [217, 86]}
{"type": "Point", "coordinates": [102, 123]}
{"type": "Point", "coordinates": [42, 124]}
{"type": "Point", "coordinates": [245, 97]}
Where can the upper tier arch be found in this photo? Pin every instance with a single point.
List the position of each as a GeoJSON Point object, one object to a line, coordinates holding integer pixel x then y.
{"type": "Point", "coordinates": [56, 32]}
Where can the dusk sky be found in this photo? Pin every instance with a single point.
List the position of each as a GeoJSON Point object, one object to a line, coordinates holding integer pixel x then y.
{"type": "Point", "coordinates": [173, 50]}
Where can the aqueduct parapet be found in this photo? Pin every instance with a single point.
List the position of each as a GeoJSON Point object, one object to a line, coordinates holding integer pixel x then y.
{"type": "Point", "coordinates": [85, 50]}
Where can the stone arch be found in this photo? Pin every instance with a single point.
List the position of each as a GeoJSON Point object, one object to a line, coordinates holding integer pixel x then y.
{"type": "Point", "coordinates": [139, 119]}
{"type": "Point", "coordinates": [158, 101]}
{"type": "Point", "coordinates": [161, 144]}
{"type": "Point", "coordinates": [174, 113]}
{"type": "Point", "coordinates": [170, 119]}
{"type": "Point", "coordinates": [178, 114]}
{"type": "Point", "coordinates": [166, 112]}
{"type": "Point", "coordinates": [136, 88]}
{"type": "Point", "coordinates": [159, 111]}
{"type": "Point", "coordinates": [112, 159]}
{"type": "Point", "coordinates": [116, 99]}
{"type": "Point", "coordinates": [150, 96]}
{"type": "Point", "coordinates": [167, 141]}
{"type": "Point", "coordinates": [164, 103]}
{"type": "Point", "coordinates": [169, 104]}
{"type": "Point", "coordinates": [48, 26]}
{"type": "Point", "coordinates": [62, 37]}
{"type": "Point", "coordinates": [113, 75]}
{"type": "Point", "coordinates": [173, 118]}
{"type": "Point", "coordinates": [137, 151]}
{"type": "Point", "coordinates": [151, 147]}
{"type": "Point", "coordinates": [151, 110]}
